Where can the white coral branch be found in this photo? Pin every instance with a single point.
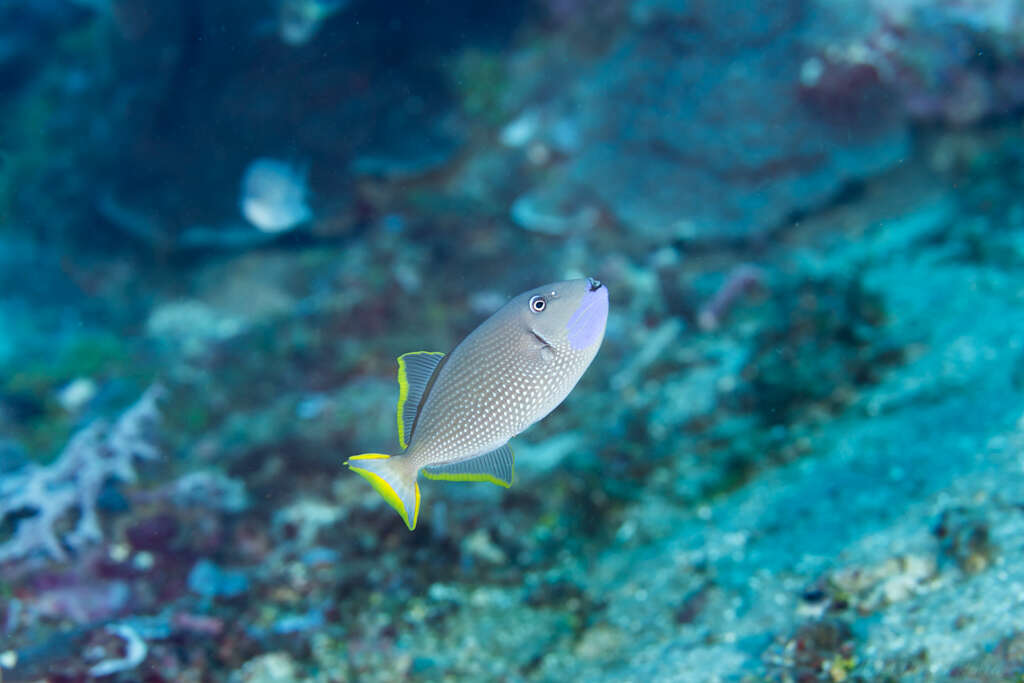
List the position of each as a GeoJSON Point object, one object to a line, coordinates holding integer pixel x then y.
{"type": "Point", "coordinates": [135, 652]}
{"type": "Point", "coordinates": [73, 482]}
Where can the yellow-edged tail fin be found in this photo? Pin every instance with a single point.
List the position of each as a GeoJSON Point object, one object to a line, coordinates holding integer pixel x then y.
{"type": "Point", "coordinates": [394, 479]}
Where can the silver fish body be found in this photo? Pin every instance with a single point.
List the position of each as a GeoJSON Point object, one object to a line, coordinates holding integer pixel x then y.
{"type": "Point", "coordinates": [457, 413]}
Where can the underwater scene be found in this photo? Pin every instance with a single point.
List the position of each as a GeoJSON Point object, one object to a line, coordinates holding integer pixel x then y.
{"type": "Point", "coordinates": [539, 340]}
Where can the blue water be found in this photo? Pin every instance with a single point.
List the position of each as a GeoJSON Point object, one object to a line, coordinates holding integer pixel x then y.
{"type": "Point", "coordinates": [797, 455]}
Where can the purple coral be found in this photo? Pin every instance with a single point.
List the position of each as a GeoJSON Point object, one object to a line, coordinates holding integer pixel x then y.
{"type": "Point", "coordinates": [72, 483]}
{"type": "Point", "coordinates": [740, 280]}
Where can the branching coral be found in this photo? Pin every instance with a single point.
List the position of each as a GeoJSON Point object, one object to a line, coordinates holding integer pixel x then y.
{"type": "Point", "coordinates": [70, 486]}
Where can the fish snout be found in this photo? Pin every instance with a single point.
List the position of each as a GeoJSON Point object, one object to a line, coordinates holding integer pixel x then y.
{"type": "Point", "coordinates": [586, 325]}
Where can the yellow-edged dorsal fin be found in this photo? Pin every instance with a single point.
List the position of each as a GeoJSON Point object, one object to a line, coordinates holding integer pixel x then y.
{"type": "Point", "coordinates": [415, 371]}
{"type": "Point", "coordinates": [496, 467]}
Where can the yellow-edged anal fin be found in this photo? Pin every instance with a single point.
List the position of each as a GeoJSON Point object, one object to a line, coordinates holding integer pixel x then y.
{"type": "Point", "coordinates": [415, 371]}
{"type": "Point", "coordinates": [495, 467]}
{"type": "Point", "coordinates": [440, 476]}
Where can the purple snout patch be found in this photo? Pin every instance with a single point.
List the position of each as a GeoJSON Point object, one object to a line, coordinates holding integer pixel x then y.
{"type": "Point", "coordinates": [586, 326]}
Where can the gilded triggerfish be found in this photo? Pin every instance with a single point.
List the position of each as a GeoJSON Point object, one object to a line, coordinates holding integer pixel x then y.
{"type": "Point", "coordinates": [456, 412]}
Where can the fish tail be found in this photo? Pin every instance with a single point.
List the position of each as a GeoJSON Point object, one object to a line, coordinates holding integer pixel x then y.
{"type": "Point", "coordinates": [394, 478]}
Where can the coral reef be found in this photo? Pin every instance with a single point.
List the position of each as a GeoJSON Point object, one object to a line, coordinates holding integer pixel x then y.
{"type": "Point", "coordinates": [797, 456]}
{"type": "Point", "coordinates": [951, 61]}
{"type": "Point", "coordinates": [698, 101]}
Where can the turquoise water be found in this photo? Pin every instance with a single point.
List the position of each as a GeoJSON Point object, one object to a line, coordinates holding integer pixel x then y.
{"type": "Point", "coordinates": [797, 455]}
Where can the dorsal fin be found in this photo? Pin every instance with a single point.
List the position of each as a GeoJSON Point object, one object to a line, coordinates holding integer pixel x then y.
{"type": "Point", "coordinates": [415, 371]}
{"type": "Point", "coordinates": [497, 467]}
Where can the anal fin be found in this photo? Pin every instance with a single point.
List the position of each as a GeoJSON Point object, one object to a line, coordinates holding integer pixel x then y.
{"type": "Point", "coordinates": [496, 467]}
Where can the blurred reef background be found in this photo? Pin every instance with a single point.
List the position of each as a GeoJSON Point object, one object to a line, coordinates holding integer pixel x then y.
{"type": "Point", "coordinates": [799, 455]}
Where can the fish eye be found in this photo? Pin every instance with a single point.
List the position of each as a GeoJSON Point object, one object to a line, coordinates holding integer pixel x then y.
{"type": "Point", "coordinates": [538, 304]}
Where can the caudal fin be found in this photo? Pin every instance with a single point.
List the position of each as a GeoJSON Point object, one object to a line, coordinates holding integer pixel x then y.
{"type": "Point", "coordinates": [394, 479]}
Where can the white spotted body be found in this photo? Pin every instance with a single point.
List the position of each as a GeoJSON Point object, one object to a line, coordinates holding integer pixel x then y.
{"type": "Point", "coordinates": [495, 384]}
{"type": "Point", "coordinates": [510, 372]}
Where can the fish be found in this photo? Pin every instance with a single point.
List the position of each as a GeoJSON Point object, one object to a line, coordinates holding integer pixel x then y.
{"type": "Point", "coordinates": [274, 196]}
{"type": "Point", "coordinates": [458, 411]}
{"type": "Point", "coordinates": [299, 20]}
